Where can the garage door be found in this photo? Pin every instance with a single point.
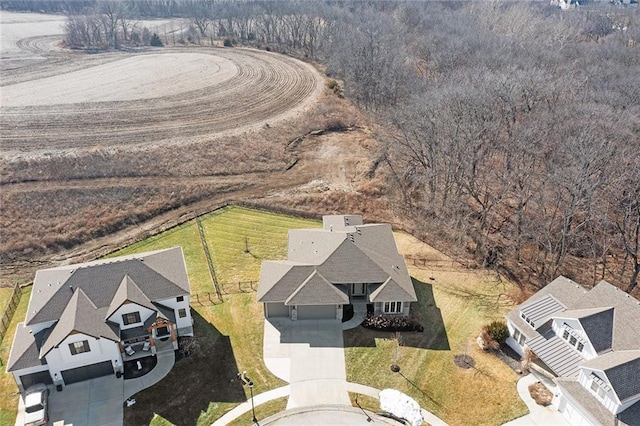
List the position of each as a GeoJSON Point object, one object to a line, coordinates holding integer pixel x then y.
{"type": "Point", "coordinates": [316, 312]}
{"type": "Point", "coordinates": [33, 378]}
{"type": "Point", "coordinates": [87, 372]}
{"type": "Point", "coordinates": [574, 416]}
{"type": "Point", "coordinates": [277, 310]}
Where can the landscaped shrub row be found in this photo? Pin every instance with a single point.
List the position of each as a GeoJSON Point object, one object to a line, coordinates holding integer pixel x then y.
{"type": "Point", "coordinates": [391, 323]}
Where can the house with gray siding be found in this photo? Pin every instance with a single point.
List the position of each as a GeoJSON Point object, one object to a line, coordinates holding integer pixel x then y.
{"type": "Point", "coordinates": [345, 262]}
{"type": "Point", "coordinates": [586, 339]}
{"type": "Point", "coordinates": [85, 320]}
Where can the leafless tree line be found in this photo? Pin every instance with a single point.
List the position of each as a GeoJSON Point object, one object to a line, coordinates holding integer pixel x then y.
{"type": "Point", "coordinates": [511, 127]}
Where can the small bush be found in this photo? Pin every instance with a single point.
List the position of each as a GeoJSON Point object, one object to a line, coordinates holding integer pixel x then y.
{"type": "Point", "coordinates": [540, 394]}
{"type": "Point", "coordinates": [334, 86]}
{"type": "Point", "coordinates": [155, 41]}
{"type": "Point", "coordinates": [497, 330]}
{"type": "Point", "coordinates": [227, 42]}
{"type": "Point", "coordinates": [391, 323]}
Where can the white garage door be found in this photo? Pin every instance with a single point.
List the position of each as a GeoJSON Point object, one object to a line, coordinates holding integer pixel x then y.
{"type": "Point", "coordinates": [574, 416]}
{"type": "Point", "coordinates": [316, 312]}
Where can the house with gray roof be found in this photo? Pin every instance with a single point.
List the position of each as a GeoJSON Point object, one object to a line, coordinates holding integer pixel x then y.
{"type": "Point", "coordinates": [586, 340]}
{"type": "Point", "coordinates": [86, 320]}
{"type": "Point", "coordinates": [344, 262]}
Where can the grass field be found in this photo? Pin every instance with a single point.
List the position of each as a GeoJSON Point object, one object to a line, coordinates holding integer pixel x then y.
{"type": "Point", "coordinates": [454, 303]}
{"type": "Point", "coordinates": [8, 388]}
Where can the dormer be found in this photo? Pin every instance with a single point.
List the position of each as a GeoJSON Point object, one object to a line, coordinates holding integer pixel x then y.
{"type": "Point", "coordinates": [588, 331]}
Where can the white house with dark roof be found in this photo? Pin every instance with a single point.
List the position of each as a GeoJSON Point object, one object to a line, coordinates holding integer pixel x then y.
{"type": "Point", "coordinates": [588, 341]}
{"type": "Point", "coordinates": [342, 263]}
{"type": "Point", "coordinates": [85, 320]}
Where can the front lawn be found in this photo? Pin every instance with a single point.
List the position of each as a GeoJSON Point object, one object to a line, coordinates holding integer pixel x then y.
{"type": "Point", "coordinates": [453, 304]}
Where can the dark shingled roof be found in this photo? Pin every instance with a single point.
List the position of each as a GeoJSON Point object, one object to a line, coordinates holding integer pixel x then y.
{"type": "Point", "coordinates": [623, 371]}
{"type": "Point", "coordinates": [81, 316]}
{"type": "Point", "coordinates": [597, 324]}
{"type": "Point", "coordinates": [100, 281]}
{"type": "Point", "coordinates": [25, 351]}
{"type": "Point", "coordinates": [128, 291]}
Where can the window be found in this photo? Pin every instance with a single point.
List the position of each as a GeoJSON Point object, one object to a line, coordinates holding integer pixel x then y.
{"type": "Point", "coordinates": [519, 337]}
{"type": "Point", "coordinates": [180, 298]}
{"type": "Point", "coordinates": [79, 347]}
{"type": "Point", "coordinates": [182, 313]}
{"type": "Point", "coordinates": [599, 386]}
{"type": "Point", "coordinates": [131, 318]}
{"type": "Point", "coordinates": [580, 347]}
{"type": "Point", "coordinates": [565, 334]}
{"type": "Point", "coordinates": [392, 307]}
{"type": "Point", "coordinates": [572, 341]}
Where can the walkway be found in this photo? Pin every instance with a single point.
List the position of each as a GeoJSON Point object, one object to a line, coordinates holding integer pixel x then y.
{"type": "Point", "coordinates": [309, 354]}
{"type": "Point", "coordinates": [538, 415]}
{"type": "Point", "coordinates": [162, 368]}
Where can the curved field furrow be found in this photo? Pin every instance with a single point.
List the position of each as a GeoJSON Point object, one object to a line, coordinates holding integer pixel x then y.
{"type": "Point", "coordinates": [234, 90]}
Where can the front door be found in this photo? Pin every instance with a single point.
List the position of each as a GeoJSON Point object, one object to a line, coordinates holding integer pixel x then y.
{"type": "Point", "coordinates": [358, 289]}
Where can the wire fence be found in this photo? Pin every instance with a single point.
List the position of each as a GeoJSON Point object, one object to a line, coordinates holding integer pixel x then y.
{"type": "Point", "coordinates": [9, 310]}
{"type": "Point", "coordinates": [211, 297]}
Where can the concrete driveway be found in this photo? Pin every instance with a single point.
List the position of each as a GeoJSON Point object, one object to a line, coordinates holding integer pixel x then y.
{"type": "Point", "coordinates": [96, 402]}
{"type": "Point", "coordinates": [309, 354]}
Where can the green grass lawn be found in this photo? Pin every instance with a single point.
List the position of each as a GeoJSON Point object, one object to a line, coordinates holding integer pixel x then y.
{"type": "Point", "coordinates": [5, 295]}
{"type": "Point", "coordinates": [8, 388]}
{"type": "Point", "coordinates": [453, 305]}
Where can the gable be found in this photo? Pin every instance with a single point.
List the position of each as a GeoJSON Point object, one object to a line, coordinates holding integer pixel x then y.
{"type": "Point", "coordinates": [348, 264]}
{"type": "Point", "coordinates": [316, 290]}
{"type": "Point", "coordinates": [391, 291]}
{"type": "Point", "coordinates": [128, 291]}
{"type": "Point", "coordinates": [599, 329]}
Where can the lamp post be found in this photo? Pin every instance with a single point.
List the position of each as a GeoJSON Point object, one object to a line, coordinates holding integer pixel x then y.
{"type": "Point", "coordinates": [247, 381]}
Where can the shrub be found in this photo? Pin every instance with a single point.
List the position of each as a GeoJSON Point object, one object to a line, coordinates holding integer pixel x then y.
{"type": "Point", "coordinates": [391, 323]}
{"type": "Point", "coordinates": [227, 42]}
{"type": "Point", "coordinates": [334, 86]}
{"type": "Point", "coordinates": [497, 330]}
{"type": "Point", "coordinates": [155, 41]}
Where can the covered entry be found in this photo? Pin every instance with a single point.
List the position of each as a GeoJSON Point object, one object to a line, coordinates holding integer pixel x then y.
{"type": "Point", "coordinates": [87, 372]}
{"type": "Point", "coordinates": [316, 312]}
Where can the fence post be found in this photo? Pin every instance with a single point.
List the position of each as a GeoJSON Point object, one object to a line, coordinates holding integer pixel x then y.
{"type": "Point", "coordinates": [207, 255]}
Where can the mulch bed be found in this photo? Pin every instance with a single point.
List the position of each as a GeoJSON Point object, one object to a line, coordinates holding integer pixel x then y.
{"type": "Point", "coordinates": [464, 361]}
{"type": "Point", "coordinates": [131, 367]}
{"type": "Point", "coordinates": [392, 323]}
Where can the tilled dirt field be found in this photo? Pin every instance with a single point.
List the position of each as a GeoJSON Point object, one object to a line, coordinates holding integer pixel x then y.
{"type": "Point", "coordinates": [99, 150]}
{"type": "Point", "coordinates": [168, 96]}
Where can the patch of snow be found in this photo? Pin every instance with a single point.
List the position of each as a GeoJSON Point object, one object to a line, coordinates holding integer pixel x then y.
{"type": "Point", "coordinates": [401, 405]}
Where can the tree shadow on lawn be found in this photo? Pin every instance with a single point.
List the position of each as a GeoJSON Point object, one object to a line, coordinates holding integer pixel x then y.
{"type": "Point", "coordinates": [209, 375]}
{"type": "Point", "coordinates": [428, 314]}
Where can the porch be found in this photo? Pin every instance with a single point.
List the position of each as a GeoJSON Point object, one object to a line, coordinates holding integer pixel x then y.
{"type": "Point", "coordinates": [141, 342]}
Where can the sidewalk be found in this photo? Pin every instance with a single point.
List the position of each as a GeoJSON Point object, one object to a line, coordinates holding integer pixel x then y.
{"type": "Point", "coordinates": [538, 415]}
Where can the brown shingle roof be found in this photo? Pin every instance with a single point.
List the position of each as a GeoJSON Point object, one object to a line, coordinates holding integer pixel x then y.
{"type": "Point", "coordinates": [316, 290]}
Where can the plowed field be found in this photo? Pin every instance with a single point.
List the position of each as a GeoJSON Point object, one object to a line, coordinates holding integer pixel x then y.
{"type": "Point", "coordinates": [161, 96]}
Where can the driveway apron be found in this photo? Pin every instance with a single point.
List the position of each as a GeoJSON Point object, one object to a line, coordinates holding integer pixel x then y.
{"type": "Point", "coordinates": [309, 354]}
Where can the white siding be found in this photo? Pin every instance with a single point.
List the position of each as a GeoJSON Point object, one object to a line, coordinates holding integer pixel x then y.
{"type": "Point", "coordinates": [176, 306]}
{"type": "Point", "coordinates": [511, 341]}
{"type": "Point", "coordinates": [128, 308]}
{"type": "Point", "coordinates": [588, 352]}
{"type": "Point", "coordinates": [60, 358]}
{"type": "Point", "coordinates": [610, 400]}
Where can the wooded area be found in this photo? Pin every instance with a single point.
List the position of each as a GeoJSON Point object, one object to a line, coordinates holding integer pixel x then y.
{"type": "Point", "coordinates": [510, 130]}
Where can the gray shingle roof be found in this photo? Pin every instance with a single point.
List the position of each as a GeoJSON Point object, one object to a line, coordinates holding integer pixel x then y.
{"type": "Point", "coordinates": [100, 282]}
{"type": "Point", "coordinates": [316, 290]}
{"type": "Point", "coordinates": [578, 394]}
{"type": "Point", "coordinates": [556, 354]}
{"type": "Point", "coordinates": [128, 291]}
{"type": "Point", "coordinates": [341, 254]}
{"type": "Point", "coordinates": [630, 416]}
{"type": "Point", "coordinates": [597, 324]}
{"type": "Point", "coordinates": [623, 371]}
{"type": "Point", "coordinates": [25, 350]}
{"type": "Point", "coordinates": [81, 316]}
